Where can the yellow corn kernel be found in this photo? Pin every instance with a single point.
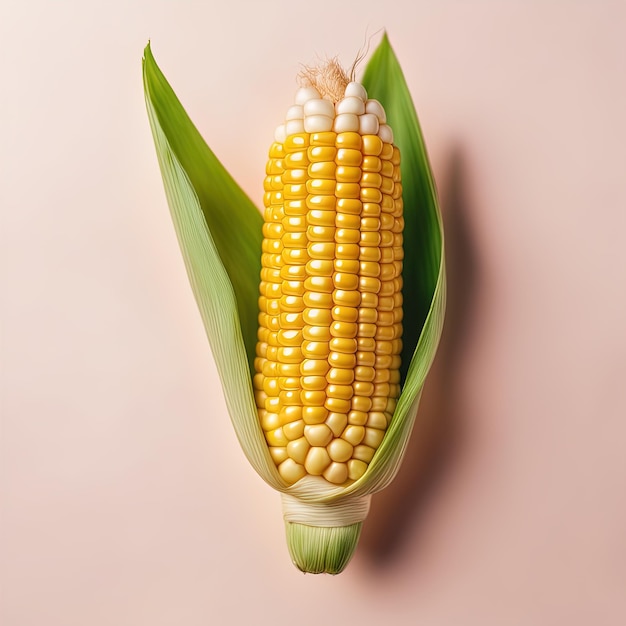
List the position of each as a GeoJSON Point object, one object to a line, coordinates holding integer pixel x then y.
{"type": "Point", "coordinates": [350, 140]}
{"type": "Point", "coordinates": [316, 333]}
{"type": "Point", "coordinates": [298, 449]}
{"type": "Point", "coordinates": [337, 405]}
{"type": "Point", "coordinates": [356, 469]}
{"type": "Point", "coordinates": [318, 154]}
{"type": "Point", "coordinates": [336, 473]}
{"type": "Point", "coordinates": [357, 418]}
{"type": "Point", "coordinates": [340, 376]}
{"type": "Point", "coordinates": [291, 471]}
{"type": "Point", "coordinates": [330, 321]}
{"type": "Point", "coordinates": [363, 453]}
{"type": "Point", "coordinates": [319, 202]}
{"type": "Point", "coordinates": [318, 434]}
{"type": "Point", "coordinates": [323, 139]}
{"type": "Point", "coordinates": [317, 460]}
{"type": "Point", "coordinates": [354, 434]}
{"type": "Point", "coordinates": [352, 206]}
{"type": "Point", "coordinates": [314, 414]}
{"type": "Point", "coordinates": [322, 169]}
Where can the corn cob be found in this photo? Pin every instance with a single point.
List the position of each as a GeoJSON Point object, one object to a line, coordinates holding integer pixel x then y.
{"type": "Point", "coordinates": [330, 322]}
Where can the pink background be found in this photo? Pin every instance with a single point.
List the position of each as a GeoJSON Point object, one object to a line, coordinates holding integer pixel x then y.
{"type": "Point", "coordinates": [125, 497]}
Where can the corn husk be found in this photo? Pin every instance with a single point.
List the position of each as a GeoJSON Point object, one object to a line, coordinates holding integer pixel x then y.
{"type": "Point", "coordinates": [323, 522]}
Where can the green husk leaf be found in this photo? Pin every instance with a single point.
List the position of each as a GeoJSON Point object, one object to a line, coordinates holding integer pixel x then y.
{"type": "Point", "coordinates": [233, 219]}
{"type": "Point", "coordinates": [204, 202]}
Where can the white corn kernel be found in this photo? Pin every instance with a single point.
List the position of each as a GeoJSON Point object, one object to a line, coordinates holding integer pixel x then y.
{"type": "Point", "coordinates": [279, 134]}
{"type": "Point", "coordinates": [346, 122]}
{"type": "Point", "coordinates": [385, 133]}
{"type": "Point", "coordinates": [294, 112]}
{"type": "Point", "coordinates": [351, 104]}
{"type": "Point", "coordinates": [368, 124]}
{"type": "Point", "coordinates": [376, 108]}
{"type": "Point", "coordinates": [355, 90]}
{"type": "Point", "coordinates": [317, 123]}
{"type": "Point", "coordinates": [306, 93]}
{"type": "Point", "coordinates": [319, 106]}
{"type": "Point", "coordinates": [294, 127]}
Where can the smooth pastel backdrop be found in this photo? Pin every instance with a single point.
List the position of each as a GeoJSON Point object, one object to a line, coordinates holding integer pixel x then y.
{"type": "Point", "coordinates": [125, 498]}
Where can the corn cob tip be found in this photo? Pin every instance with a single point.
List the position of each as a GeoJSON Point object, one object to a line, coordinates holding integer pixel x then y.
{"type": "Point", "coordinates": [317, 550]}
{"type": "Point", "coordinates": [329, 100]}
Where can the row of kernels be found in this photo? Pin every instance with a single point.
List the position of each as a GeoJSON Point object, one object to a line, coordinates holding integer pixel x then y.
{"type": "Point", "coordinates": [329, 250]}
{"type": "Point", "coordinates": [266, 389]}
{"type": "Point", "coordinates": [337, 461]}
{"type": "Point", "coordinates": [272, 394]}
{"type": "Point", "coordinates": [397, 312]}
{"type": "Point", "coordinates": [312, 113]}
{"type": "Point", "coordinates": [344, 313]}
{"type": "Point", "coordinates": [314, 301]}
{"type": "Point", "coordinates": [365, 123]}
{"type": "Point", "coordinates": [335, 472]}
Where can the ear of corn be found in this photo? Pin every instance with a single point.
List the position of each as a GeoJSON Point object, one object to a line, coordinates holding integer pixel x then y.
{"type": "Point", "coordinates": [323, 518]}
{"type": "Point", "coordinates": [328, 352]}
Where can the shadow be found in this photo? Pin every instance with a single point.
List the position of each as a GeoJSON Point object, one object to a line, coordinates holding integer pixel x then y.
{"type": "Point", "coordinates": [436, 436]}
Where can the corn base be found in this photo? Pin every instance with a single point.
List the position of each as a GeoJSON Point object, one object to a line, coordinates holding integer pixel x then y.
{"type": "Point", "coordinates": [322, 550]}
